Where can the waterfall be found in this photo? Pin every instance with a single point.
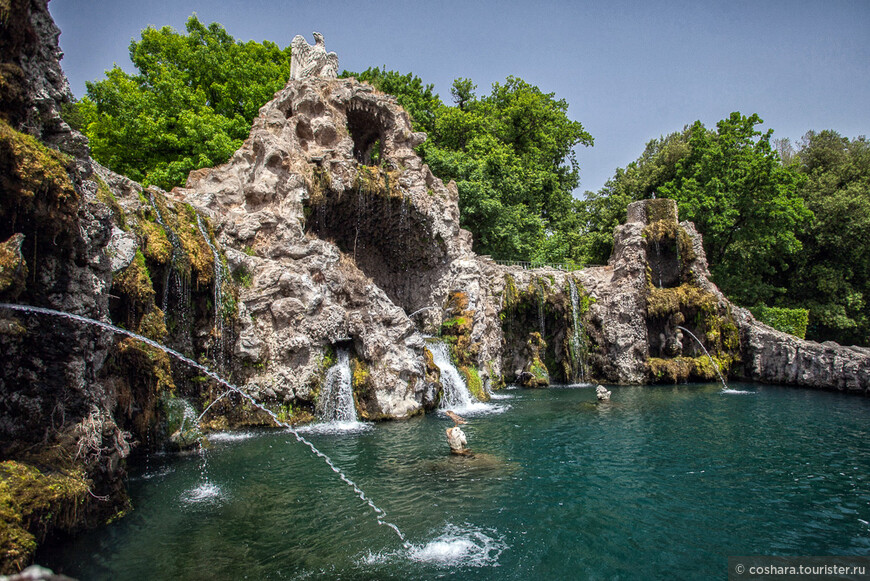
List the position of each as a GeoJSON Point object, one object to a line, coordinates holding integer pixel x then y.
{"type": "Point", "coordinates": [173, 241]}
{"type": "Point", "coordinates": [455, 394]}
{"type": "Point", "coordinates": [336, 399]}
{"type": "Point", "coordinates": [540, 306]}
{"type": "Point", "coordinates": [218, 296]}
{"type": "Point", "coordinates": [380, 514]}
{"type": "Point", "coordinates": [716, 367]}
{"type": "Point", "coordinates": [578, 340]}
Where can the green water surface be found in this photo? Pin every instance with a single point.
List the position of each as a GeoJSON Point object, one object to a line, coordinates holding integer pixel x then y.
{"type": "Point", "coordinates": [661, 483]}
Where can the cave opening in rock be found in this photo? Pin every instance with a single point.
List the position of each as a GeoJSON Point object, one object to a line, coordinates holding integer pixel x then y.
{"type": "Point", "coordinates": [367, 134]}
{"type": "Point", "coordinates": [376, 226]}
{"type": "Point", "coordinates": [664, 262]}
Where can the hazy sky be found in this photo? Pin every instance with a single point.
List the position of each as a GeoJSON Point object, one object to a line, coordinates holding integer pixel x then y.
{"type": "Point", "coordinates": [630, 70]}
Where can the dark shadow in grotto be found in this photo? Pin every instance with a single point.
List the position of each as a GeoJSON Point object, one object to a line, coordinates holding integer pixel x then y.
{"type": "Point", "coordinates": [387, 238]}
{"type": "Point", "coordinates": [367, 135]}
{"type": "Point", "coordinates": [664, 262]}
{"type": "Point", "coordinates": [550, 317]}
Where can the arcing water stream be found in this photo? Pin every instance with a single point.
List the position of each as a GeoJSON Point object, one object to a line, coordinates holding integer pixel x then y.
{"type": "Point", "coordinates": [716, 367]}
{"type": "Point", "coordinates": [380, 514]}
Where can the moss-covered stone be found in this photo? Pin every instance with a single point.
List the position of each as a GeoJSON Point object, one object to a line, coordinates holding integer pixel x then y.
{"type": "Point", "coordinates": [31, 503]}
{"type": "Point", "coordinates": [474, 383]}
{"type": "Point", "coordinates": [681, 369]}
{"type": "Point", "coordinates": [13, 268]}
{"type": "Point", "coordinates": [134, 282]}
{"type": "Point", "coordinates": [661, 209]}
{"type": "Point", "coordinates": [378, 181]}
{"type": "Point", "coordinates": [663, 302]}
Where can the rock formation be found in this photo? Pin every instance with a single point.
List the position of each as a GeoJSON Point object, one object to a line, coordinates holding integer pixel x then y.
{"type": "Point", "coordinates": [324, 231]}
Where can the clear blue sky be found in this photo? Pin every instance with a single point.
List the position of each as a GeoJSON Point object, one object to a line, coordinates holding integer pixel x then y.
{"type": "Point", "coordinates": [630, 70]}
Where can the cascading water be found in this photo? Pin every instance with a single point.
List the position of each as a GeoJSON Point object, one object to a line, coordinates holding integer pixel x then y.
{"type": "Point", "coordinates": [455, 395]}
{"type": "Point", "coordinates": [218, 297]}
{"type": "Point", "coordinates": [336, 398]}
{"type": "Point", "coordinates": [716, 367]}
{"type": "Point", "coordinates": [540, 307]}
{"type": "Point", "coordinates": [380, 514]}
{"type": "Point", "coordinates": [176, 249]}
{"type": "Point", "coordinates": [578, 339]}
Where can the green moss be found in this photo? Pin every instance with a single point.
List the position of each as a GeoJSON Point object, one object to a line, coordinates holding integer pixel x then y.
{"type": "Point", "coordinates": [474, 383]}
{"type": "Point", "coordinates": [135, 282]}
{"type": "Point", "coordinates": [661, 209]}
{"type": "Point", "coordinates": [13, 268]}
{"type": "Point", "coordinates": [158, 248]}
{"type": "Point", "coordinates": [540, 376]}
{"type": "Point", "coordinates": [378, 181]}
{"type": "Point", "coordinates": [34, 179]}
{"type": "Point", "coordinates": [31, 503]}
{"type": "Point", "coordinates": [680, 369]}
{"type": "Point", "coordinates": [663, 302]}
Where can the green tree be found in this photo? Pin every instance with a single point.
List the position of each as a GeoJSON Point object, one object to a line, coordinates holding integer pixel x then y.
{"type": "Point", "coordinates": [511, 154]}
{"type": "Point", "coordinates": [831, 277]}
{"type": "Point", "coordinates": [604, 210]}
{"type": "Point", "coordinates": [418, 99]}
{"type": "Point", "coordinates": [190, 106]}
{"type": "Point", "coordinates": [744, 202]}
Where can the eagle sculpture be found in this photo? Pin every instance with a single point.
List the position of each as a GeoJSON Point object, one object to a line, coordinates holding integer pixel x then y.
{"type": "Point", "coordinates": [308, 61]}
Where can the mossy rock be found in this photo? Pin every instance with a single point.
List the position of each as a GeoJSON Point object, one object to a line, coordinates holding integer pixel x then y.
{"type": "Point", "coordinates": [474, 383]}
{"type": "Point", "coordinates": [681, 369]}
{"type": "Point", "coordinates": [135, 283]}
{"type": "Point", "coordinates": [34, 180]}
{"type": "Point", "coordinates": [33, 502]}
{"type": "Point", "coordinates": [661, 209]}
{"type": "Point", "coordinates": [535, 374]}
{"type": "Point", "coordinates": [664, 302]}
{"type": "Point", "coordinates": [13, 268]}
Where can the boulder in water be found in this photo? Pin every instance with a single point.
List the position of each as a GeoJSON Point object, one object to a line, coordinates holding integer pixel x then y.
{"type": "Point", "coordinates": [602, 393]}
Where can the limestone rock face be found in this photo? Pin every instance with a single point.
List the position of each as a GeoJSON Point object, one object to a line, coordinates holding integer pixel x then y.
{"type": "Point", "coordinates": [338, 247]}
{"type": "Point", "coordinates": [775, 357]}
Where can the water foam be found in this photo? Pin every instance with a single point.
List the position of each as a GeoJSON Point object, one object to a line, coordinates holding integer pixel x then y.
{"type": "Point", "coordinates": [230, 436]}
{"type": "Point", "coordinates": [737, 391]}
{"type": "Point", "coordinates": [205, 492]}
{"type": "Point", "coordinates": [329, 428]}
{"type": "Point", "coordinates": [467, 546]}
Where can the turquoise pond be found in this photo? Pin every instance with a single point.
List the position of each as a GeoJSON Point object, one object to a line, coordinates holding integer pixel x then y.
{"type": "Point", "coordinates": [661, 483]}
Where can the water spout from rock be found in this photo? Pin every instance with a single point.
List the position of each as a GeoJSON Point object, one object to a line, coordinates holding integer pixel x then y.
{"type": "Point", "coordinates": [716, 367]}
{"type": "Point", "coordinates": [380, 514]}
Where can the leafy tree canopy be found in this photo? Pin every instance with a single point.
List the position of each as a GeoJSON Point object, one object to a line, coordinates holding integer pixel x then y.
{"type": "Point", "coordinates": [831, 276]}
{"type": "Point", "coordinates": [511, 154]}
{"type": "Point", "coordinates": [732, 184]}
{"type": "Point", "coordinates": [190, 106]}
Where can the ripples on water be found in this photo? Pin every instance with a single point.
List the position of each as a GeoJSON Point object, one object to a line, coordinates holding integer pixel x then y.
{"type": "Point", "coordinates": [671, 478]}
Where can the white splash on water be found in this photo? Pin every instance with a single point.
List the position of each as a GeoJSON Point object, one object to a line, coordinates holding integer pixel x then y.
{"type": "Point", "coordinates": [737, 391]}
{"type": "Point", "coordinates": [467, 546]}
{"type": "Point", "coordinates": [230, 436]}
{"type": "Point", "coordinates": [501, 396]}
{"type": "Point", "coordinates": [205, 492]}
{"type": "Point", "coordinates": [341, 428]}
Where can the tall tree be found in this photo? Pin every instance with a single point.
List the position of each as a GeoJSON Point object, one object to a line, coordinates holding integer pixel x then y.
{"type": "Point", "coordinates": [512, 155]}
{"type": "Point", "coordinates": [831, 277]}
{"type": "Point", "coordinates": [190, 106]}
{"type": "Point", "coordinates": [745, 203]}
